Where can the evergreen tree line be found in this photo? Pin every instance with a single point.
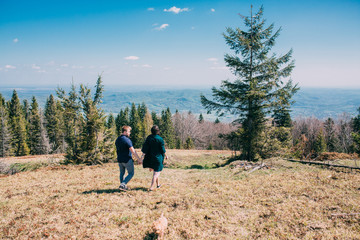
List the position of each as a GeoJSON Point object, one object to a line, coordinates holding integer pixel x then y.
{"type": "Point", "coordinates": [179, 130]}
{"type": "Point", "coordinates": [73, 123]}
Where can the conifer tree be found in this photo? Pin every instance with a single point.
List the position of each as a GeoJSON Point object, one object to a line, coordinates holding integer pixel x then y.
{"type": "Point", "coordinates": [111, 126]}
{"type": "Point", "coordinates": [26, 110]}
{"type": "Point", "coordinates": [167, 128]}
{"type": "Point", "coordinates": [320, 144]}
{"type": "Point", "coordinates": [17, 127]}
{"type": "Point", "coordinates": [189, 143]}
{"type": "Point", "coordinates": [5, 137]}
{"type": "Point", "coordinates": [35, 141]}
{"type": "Point", "coordinates": [136, 125]}
{"type": "Point", "coordinates": [331, 140]}
{"type": "Point", "coordinates": [155, 118]}
{"type": "Point", "coordinates": [95, 138]}
{"type": "Point", "coordinates": [259, 84]}
{"type": "Point", "coordinates": [122, 119]}
{"type": "Point", "coordinates": [201, 118]}
{"type": "Point", "coordinates": [53, 119]}
{"type": "Point", "coordinates": [72, 123]}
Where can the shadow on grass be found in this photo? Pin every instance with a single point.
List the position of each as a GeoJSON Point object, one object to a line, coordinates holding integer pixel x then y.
{"type": "Point", "coordinates": [213, 165]}
{"type": "Point", "coordinates": [114, 190]}
{"type": "Point", "coordinates": [150, 236]}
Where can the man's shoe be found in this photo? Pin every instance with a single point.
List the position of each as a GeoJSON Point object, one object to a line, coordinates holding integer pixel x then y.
{"type": "Point", "coordinates": [123, 187]}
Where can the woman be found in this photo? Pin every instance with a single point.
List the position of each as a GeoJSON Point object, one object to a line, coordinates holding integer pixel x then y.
{"type": "Point", "coordinates": [154, 150]}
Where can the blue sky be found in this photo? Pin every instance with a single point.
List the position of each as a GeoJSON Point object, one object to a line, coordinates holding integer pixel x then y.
{"type": "Point", "coordinates": [169, 43]}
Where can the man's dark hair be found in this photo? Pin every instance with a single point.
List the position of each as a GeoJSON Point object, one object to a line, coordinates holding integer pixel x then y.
{"type": "Point", "coordinates": [155, 130]}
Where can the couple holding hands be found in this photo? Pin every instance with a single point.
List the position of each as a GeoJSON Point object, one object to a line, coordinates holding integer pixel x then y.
{"type": "Point", "coordinates": [153, 156]}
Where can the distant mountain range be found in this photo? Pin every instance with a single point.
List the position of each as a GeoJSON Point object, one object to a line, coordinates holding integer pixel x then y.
{"type": "Point", "coordinates": [317, 102]}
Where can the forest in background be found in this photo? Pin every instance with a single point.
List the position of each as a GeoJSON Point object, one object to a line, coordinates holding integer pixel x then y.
{"type": "Point", "coordinates": [309, 102]}
{"type": "Point", "coordinates": [65, 122]}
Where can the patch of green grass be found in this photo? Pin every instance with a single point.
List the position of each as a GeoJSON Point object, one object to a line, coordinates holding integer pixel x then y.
{"type": "Point", "coordinates": [29, 166]}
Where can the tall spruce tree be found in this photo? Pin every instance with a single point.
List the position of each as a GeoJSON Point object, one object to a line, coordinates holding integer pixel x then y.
{"type": "Point", "coordinates": [95, 136]}
{"type": "Point", "coordinates": [167, 128]}
{"type": "Point", "coordinates": [17, 124]}
{"type": "Point", "coordinates": [5, 137]}
{"type": "Point", "coordinates": [72, 119]}
{"type": "Point", "coordinates": [259, 84]}
{"type": "Point", "coordinates": [155, 118]}
{"type": "Point", "coordinates": [137, 127]}
{"type": "Point", "coordinates": [53, 118]}
{"type": "Point", "coordinates": [35, 139]}
{"type": "Point", "coordinates": [331, 139]}
{"type": "Point", "coordinates": [122, 119]}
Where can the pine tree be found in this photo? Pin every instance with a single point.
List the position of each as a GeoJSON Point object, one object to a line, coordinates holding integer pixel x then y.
{"type": "Point", "coordinates": [53, 118]}
{"type": "Point", "coordinates": [189, 143]}
{"type": "Point", "coordinates": [201, 118]}
{"type": "Point", "coordinates": [217, 121]}
{"type": "Point", "coordinates": [17, 127]}
{"type": "Point", "coordinates": [320, 144]}
{"type": "Point", "coordinates": [167, 128]}
{"type": "Point", "coordinates": [111, 126]}
{"type": "Point", "coordinates": [156, 119]}
{"type": "Point", "coordinates": [72, 123]}
{"type": "Point", "coordinates": [95, 137]}
{"type": "Point", "coordinates": [259, 84]}
{"type": "Point", "coordinates": [136, 127]}
{"type": "Point", "coordinates": [122, 119]}
{"type": "Point", "coordinates": [5, 137]}
{"type": "Point", "coordinates": [331, 140]}
{"type": "Point", "coordinates": [35, 140]}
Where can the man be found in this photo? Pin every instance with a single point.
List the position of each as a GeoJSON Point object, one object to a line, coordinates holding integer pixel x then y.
{"type": "Point", "coordinates": [124, 150]}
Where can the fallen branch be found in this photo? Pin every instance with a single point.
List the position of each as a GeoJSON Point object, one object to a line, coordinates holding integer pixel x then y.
{"type": "Point", "coordinates": [258, 167]}
{"type": "Point", "coordinates": [323, 164]}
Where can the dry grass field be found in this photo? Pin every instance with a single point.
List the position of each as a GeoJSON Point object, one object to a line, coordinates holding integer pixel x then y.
{"type": "Point", "coordinates": [201, 197]}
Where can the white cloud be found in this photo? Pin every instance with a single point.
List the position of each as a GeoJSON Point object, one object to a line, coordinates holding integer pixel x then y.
{"type": "Point", "coordinates": [146, 66]}
{"type": "Point", "coordinates": [35, 67]}
{"type": "Point", "coordinates": [162, 27]}
{"type": "Point", "coordinates": [131, 58]}
{"type": "Point", "coordinates": [192, 28]}
{"type": "Point", "coordinates": [64, 65]}
{"type": "Point", "coordinates": [176, 10]}
{"type": "Point", "coordinates": [10, 67]}
{"type": "Point", "coordinates": [212, 10]}
{"type": "Point", "coordinates": [15, 40]}
{"type": "Point", "coordinates": [151, 9]}
{"type": "Point", "coordinates": [212, 59]}
{"type": "Point", "coordinates": [77, 67]}
{"type": "Point", "coordinates": [51, 63]}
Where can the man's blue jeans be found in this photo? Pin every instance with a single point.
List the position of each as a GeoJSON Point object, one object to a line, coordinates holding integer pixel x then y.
{"type": "Point", "coordinates": [129, 166]}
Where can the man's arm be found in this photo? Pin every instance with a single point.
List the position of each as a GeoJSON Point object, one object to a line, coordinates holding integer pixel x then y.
{"type": "Point", "coordinates": [132, 150]}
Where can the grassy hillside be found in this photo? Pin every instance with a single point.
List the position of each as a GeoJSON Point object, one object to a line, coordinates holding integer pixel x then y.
{"type": "Point", "coordinates": [200, 200]}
